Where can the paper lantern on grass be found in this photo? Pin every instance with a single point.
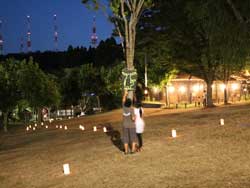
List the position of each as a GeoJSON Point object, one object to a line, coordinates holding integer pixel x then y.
{"type": "Point", "coordinates": [174, 133]}
{"type": "Point", "coordinates": [104, 129]}
{"type": "Point", "coordinates": [221, 121]}
{"type": "Point", "coordinates": [30, 126]}
{"type": "Point", "coordinates": [46, 126]}
{"type": "Point", "coordinates": [42, 124]}
{"type": "Point", "coordinates": [65, 128]}
{"type": "Point", "coordinates": [27, 128]}
{"type": "Point", "coordinates": [35, 125]}
{"type": "Point", "coordinates": [94, 129]}
{"type": "Point", "coordinates": [66, 169]}
{"type": "Point", "coordinates": [60, 126]}
{"type": "Point", "coordinates": [34, 128]}
{"type": "Point", "coordinates": [57, 126]}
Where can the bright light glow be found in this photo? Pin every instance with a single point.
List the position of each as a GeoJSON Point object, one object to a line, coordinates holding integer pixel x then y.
{"type": "Point", "coordinates": [245, 89]}
{"type": "Point", "coordinates": [182, 89]}
{"type": "Point", "coordinates": [34, 128]}
{"type": "Point", "coordinates": [235, 86]}
{"type": "Point", "coordinates": [27, 129]}
{"type": "Point", "coordinates": [65, 127]}
{"type": "Point", "coordinates": [155, 89]}
{"type": "Point", "coordinates": [60, 126]}
{"type": "Point", "coordinates": [46, 126]}
{"type": "Point", "coordinates": [42, 123]}
{"type": "Point", "coordinates": [104, 129]}
{"type": "Point", "coordinates": [145, 91]}
{"type": "Point", "coordinates": [66, 170]}
{"type": "Point", "coordinates": [222, 87]}
{"type": "Point", "coordinates": [196, 88]}
{"type": "Point", "coordinates": [174, 133]}
{"type": "Point", "coordinates": [94, 129]}
{"type": "Point", "coordinates": [221, 121]}
{"type": "Point", "coordinates": [171, 89]}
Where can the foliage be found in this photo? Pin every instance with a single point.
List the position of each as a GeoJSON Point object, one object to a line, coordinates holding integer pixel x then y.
{"type": "Point", "coordinates": [201, 36]}
{"type": "Point", "coordinates": [37, 87]}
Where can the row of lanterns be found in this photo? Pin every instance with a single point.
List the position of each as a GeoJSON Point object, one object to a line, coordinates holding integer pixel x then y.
{"type": "Point", "coordinates": [66, 168]}
{"type": "Point", "coordinates": [65, 127]}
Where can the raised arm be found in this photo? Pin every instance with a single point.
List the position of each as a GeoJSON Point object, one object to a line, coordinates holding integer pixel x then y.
{"type": "Point", "coordinates": [124, 96]}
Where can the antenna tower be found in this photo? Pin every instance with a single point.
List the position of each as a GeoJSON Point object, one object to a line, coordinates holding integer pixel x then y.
{"type": "Point", "coordinates": [28, 34]}
{"type": "Point", "coordinates": [55, 33]}
{"type": "Point", "coordinates": [94, 36]}
{"type": "Point", "coordinates": [1, 39]}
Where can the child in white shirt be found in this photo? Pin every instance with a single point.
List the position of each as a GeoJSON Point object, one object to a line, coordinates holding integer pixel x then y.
{"type": "Point", "coordinates": [139, 124]}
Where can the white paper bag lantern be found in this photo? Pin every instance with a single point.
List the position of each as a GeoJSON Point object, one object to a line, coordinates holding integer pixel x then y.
{"type": "Point", "coordinates": [60, 126]}
{"type": "Point", "coordinates": [221, 121]}
{"type": "Point", "coordinates": [27, 128]}
{"type": "Point", "coordinates": [42, 123]}
{"type": "Point", "coordinates": [34, 128]}
{"type": "Point", "coordinates": [35, 125]}
{"type": "Point", "coordinates": [30, 126]}
{"type": "Point", "coordinates": [66, 169]}
{"type": "Point", "coordinates": [65, 127]}
{"type": "Point", "coordinates": [94, 129]}
{"type": "Point", "coordinates": [104, 129]}
{"type": "Point", "coordinates": [57, 126]}
{"type": "Point", "coordinates": [174, 133]}
{"type": "Point", "coordinates": [46, 126]}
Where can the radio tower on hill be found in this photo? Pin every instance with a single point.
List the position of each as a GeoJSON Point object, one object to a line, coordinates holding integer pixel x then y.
{"type": "Point", "coordinates": [1, 39]}
{"type": "Point", "coordinates": [55, 33]}
{"type": "Point", "coordinates": [94, 37]}
{"type": "Point", "coordinates": [28, 34]}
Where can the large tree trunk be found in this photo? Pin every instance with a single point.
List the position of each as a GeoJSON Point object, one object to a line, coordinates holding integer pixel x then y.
{"type": "Point", "coordinates": [39, 115]}
{"type": "Point", "coordinates": [5, 121]}
{"type": "Point", "coordinates": [225, 94]}
{"type": "Point", "coordinates": [209, 99]}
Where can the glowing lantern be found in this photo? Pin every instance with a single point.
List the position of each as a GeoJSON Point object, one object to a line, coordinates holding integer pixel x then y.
{"type": "Point", "coordinates": [66, 169]}
{"type": "Point", "coordinates": [221, 121]}
{"type": "Point", "coordinates": [174, 133]}
{"type": "Point", "coordinates": [94, 129]}
{"type": "Point", "coordinates": [235, 86]}
{"type": "Point", "coordinates": [34, 128]}
{"type": "Point", "coordinates": [222, 87]}
{"type": "Point", "coordinates": [27, 129]}
{"type": "Point", "coordinates": [35, 125]}
{"type": "Point", "coordinates": [196, 88]}
{"type": "Point", "coordinates": [42, 123]}
{"type": "Point", "coordinates": [65, 128]}
{"type": "Point", "coordinates": [57, 126]}
{"type": "Point", "coordinates": [30, 126]}
{"type": "Point", "coordinates": [60, 126]}
{"type": "Point", "coordinates": [182, 89]}
{"type": "Point", "coordinates": [104, 129]}
{"type": "Point", "coordinates": [46, 126]}
{"type": "Point", "coordinates": [171, 89]}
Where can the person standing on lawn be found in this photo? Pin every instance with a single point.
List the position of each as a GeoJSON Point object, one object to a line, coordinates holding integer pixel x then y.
{"type": "Point", "coordinates": [128, 125]}
{"type": "Point", "coordinates": [139, 124]}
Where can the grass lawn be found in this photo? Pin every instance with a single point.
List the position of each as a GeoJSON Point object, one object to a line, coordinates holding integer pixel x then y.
{"type": "Point", "coordinates": [205, 154]}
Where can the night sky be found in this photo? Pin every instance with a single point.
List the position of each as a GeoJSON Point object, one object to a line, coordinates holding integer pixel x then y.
{"type": "Point", "coordinates": [74, 23]}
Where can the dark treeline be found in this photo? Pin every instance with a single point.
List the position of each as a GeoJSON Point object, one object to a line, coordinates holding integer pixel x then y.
{"type": "Point", "coordinates": [107, 54]}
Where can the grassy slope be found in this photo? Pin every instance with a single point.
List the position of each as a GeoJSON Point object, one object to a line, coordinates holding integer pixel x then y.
{"type": "Point", "coordinates": [204, 154]}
